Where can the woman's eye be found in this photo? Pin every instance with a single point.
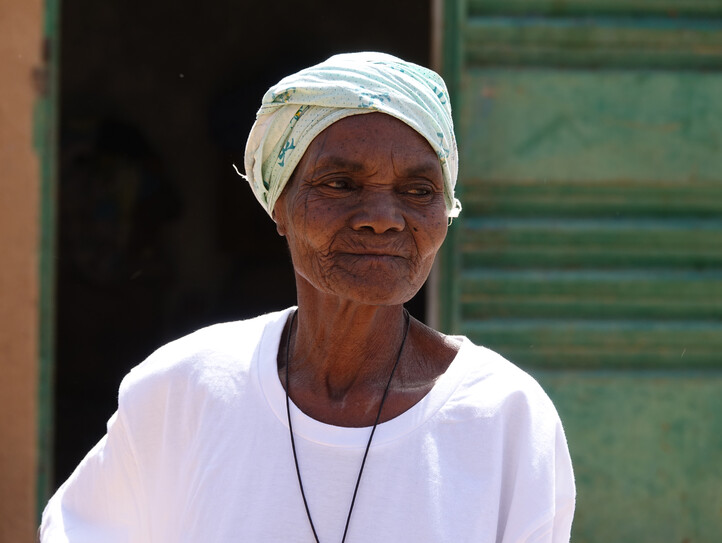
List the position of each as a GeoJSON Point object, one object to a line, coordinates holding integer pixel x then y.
{"type": "Point", "coordinates": [337, 184]}
{"type": "Point", "coordinates": [419, 191]}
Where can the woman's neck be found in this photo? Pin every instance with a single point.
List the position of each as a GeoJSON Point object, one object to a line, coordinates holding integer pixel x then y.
{"type": "Point", "coordinates": [341, 354]}
{"type": "Point", "coordinates": [340, 348]}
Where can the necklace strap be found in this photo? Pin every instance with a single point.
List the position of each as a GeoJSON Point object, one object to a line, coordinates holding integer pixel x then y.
{"type": "Point", "coordinates": [368, 444]}
{"type": "Point", "coordinates": [290, 428]}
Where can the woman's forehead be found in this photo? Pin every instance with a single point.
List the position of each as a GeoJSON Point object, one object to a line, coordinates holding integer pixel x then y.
{"type": "Point", "coordinates": [349, 142]}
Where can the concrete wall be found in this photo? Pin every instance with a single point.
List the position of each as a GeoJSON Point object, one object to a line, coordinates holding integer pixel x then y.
{"type": "Point", "coordinates": [20, 49]}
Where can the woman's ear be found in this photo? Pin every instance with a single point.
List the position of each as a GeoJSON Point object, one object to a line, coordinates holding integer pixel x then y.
{"type": "Point", "coordinates": [280, 225]}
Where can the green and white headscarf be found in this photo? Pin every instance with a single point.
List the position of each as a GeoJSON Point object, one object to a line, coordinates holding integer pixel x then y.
{"type": "Point", "coordinates": [301, 106]}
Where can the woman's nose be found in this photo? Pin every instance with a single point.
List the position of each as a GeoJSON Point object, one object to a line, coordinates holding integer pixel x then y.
{"type": "Point", "coordinates": [378, 211]}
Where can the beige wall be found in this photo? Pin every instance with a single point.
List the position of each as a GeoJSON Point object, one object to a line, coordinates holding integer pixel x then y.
{"type": "Point", "coordinates": [20, 47]}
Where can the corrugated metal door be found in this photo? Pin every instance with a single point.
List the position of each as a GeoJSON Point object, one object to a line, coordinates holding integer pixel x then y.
{"type": "Point", "coordinates": [589, 250]}
{"type": "Point", "coordinates": [46, 145]}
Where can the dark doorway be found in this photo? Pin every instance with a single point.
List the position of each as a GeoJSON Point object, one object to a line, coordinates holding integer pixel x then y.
{"type": "Point", "coordinates": [158, 236]}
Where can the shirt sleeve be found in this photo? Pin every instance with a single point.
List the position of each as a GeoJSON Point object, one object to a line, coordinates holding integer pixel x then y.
{"type": "Point", "coordinates": [102, 500]}
{"type": "Point", "coordinates": [564, 490]}
{"type": "Point", "coordinates": [558, 525]}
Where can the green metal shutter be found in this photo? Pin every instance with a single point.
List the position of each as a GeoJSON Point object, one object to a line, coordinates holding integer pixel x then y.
{"type": "Point", "coordinates": [45, 136]}
{"type": "Point", "coordinates": [589, 250]}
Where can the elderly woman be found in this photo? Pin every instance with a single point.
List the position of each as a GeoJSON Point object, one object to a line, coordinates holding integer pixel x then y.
{"type": "Point", "coordinates": [343, 419]}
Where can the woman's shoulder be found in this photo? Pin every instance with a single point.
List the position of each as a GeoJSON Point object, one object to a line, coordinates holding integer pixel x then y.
{"type": "Point", "coordinates": [208, 355]}
{"type": "Point", "coordinates": [494, 385]}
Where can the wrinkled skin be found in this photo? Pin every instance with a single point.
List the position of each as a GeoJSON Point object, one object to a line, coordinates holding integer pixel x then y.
{"type": "Point", "coordinates": [364, 216]}
{"type": "Point", "coordinates": [364, 213]}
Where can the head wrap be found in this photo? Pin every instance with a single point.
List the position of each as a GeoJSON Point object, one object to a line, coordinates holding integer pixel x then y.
{"type": "Point", "coordinates": [301, 106]}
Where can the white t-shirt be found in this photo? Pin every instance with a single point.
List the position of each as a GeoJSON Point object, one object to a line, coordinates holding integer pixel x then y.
{"type": "Point", "coordinates": [199, 451]}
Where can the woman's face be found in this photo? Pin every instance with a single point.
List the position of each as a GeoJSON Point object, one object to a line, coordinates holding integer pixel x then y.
{"type": "Point", "coordinates": [364, 212]}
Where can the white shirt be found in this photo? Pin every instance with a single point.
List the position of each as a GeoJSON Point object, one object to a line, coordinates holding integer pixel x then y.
{"type": "Point", "coordinates": [199, 451]}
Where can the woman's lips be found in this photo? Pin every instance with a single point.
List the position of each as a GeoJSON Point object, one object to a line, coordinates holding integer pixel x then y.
{"type": "Point", "coordinates": [373, 257]}
{"type": "Point", "coordinates": [372, 253]}
{"type": "Point", "coordinates": [376, 250]}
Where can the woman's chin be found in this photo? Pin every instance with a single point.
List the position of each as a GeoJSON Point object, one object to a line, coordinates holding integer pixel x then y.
{"type": "Point", "coordinates": [371, 290]}
{"type": "Point", "coordinates": [382, 285]}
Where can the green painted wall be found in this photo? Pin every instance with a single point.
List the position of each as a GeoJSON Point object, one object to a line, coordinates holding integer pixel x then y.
{"type": "Point", "coordinates": [46, 145]}
{"type": "Point", "coordinates": [592, 227]}
{"type": "Point", "coordinates": [646, 451]}
{"type": "Point", "coordinates": [589, 250]}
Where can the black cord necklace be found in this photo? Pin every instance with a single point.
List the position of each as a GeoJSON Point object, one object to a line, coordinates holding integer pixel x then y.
{"type": "Point", "coordinates": [373, 430]}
